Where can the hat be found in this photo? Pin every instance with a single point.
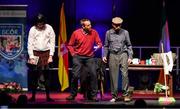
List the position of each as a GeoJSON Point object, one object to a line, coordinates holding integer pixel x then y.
{"type": "Point", "coordinates": [117, 20]}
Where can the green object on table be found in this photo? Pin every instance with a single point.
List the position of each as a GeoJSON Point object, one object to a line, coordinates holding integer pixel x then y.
{"type": "Point", "coordinates": [159, 88]}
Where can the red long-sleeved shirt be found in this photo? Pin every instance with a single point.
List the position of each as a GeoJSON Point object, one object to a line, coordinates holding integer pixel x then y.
{"type": "Point", "coordinates": [82, 44]}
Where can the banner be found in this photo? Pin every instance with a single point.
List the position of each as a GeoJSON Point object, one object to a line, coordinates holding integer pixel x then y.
{"type": "Point", "coordinates": [13, 52]}
{"type": "Point", "coordinates": [63, 52]}
{"type": "Point", "coordinates": [164, 46]}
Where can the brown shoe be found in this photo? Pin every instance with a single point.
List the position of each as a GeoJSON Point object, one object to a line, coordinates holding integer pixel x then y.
{"type": "Point", "coordinates": [127, 98]}
{"type": "Point", "coordinates": [93, 99]}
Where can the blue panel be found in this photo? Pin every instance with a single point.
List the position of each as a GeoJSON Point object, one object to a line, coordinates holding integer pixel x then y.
{"type": "Point", "coordinates": [96, 10]}
{"type": "Point", "coordinates": [101, 28]}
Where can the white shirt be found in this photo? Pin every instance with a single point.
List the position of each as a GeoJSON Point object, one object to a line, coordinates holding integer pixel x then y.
{"type": "Point", "coordinates": [41, 40]}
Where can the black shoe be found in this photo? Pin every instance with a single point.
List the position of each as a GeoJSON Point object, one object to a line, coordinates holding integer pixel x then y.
{"type": "Point", "coordinates": [71, 97]}
{"type": "Point", "coordinates": [49, 100]}
{"type": "Point", "coordinates": [32, 99]}
{"type": "Point", "coordinates": [86, 96]}
{"type": "Point", "coordinates": [119, 98]}
{"type": "Point", "coordinates": [93, 99]}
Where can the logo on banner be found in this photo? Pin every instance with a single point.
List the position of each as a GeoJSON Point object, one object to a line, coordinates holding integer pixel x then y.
{"type": "Point", "coordinates": [11, 40]}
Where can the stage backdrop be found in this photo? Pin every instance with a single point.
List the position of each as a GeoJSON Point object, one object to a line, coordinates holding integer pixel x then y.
{"type": "Point", "coordinates": [13, 52]}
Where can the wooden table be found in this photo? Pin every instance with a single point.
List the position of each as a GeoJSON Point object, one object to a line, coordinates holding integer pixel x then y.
{"type": "Point", "coordinates": [145, 67]}
{"type": "Point", "coordinates": [142, 67]}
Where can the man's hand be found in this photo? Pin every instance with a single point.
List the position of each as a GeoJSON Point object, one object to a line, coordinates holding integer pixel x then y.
{"type": "Point", "coordinates": [96, 48]}
{"type": "Point", "coordinates": [129, 61]}
{"type": "Point", "coordinates": [104, 59]}
{"type": "Point", "coordinates": [31, 61]}
{"type": "Point", "coordinates": [50, 59]}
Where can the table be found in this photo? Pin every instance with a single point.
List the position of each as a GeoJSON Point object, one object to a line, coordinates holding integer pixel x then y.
{"type": "Point", "coordinates": [144, 67]}
{"type": "Point", "coordinates": [141, 67]}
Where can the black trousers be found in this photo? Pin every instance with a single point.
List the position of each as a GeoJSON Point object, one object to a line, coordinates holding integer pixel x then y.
{"type": "Point", "coordinates": [77, 72]}
{"type": "Point", "coordinates": [36, 72]}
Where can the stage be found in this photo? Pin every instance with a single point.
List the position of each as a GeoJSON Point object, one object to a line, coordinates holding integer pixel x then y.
{"type": "Point", "coordinates": [150, 98]}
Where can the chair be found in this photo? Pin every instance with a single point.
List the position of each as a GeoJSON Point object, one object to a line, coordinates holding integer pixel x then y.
{"type": "Point", "coordinates": [101, 72]}
{"type": "Point", "coordinates": [101, 75]}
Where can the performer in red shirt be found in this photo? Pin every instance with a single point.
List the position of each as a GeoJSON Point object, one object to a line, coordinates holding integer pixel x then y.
{"type": "Point", "coordinates": [81, 47]}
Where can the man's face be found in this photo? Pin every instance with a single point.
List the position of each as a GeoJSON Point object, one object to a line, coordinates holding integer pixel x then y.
{"type": "Point", "coordinates": [40, 26]}
{"type": "Point", "coordinates": [116, 26]}
{"type": "Point", "coordinates": [87, 26]}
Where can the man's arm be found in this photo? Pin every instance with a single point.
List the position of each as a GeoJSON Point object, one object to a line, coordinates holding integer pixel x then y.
{"type": "Point", "coordinates": [30, 43]}
{"type": "Point", "coordinates": [129, 45]}
{"type": "Point", "coordinates": [52, 45]}
{"type": "Point", "coordinates": [52, 42]}
{"type": "Point", "coordinates": [106, 46]}
{"type": "Point", "coordinates": [71, 44]}
{"type": "Point", "coordinates": [30, 46]}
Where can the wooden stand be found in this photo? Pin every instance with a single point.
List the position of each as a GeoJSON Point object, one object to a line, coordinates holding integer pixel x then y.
{"type": "Point", "coordinates": [142, 67]}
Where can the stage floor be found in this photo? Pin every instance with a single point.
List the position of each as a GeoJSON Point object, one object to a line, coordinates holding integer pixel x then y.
{"type": "Point", "coordinates": [150, 98]}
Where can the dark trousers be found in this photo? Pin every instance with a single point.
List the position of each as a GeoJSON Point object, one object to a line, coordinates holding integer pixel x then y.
{"type": "Point", "coordinates": [89, 64]}
{"type": "Point", "coordinates": [36, 72]}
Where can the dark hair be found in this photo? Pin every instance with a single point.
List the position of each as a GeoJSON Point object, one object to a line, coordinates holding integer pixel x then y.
{"type": "Point", "coordinates": [40, 19]}
{"type": "Point", "coordinates": [5, 98]}
{"type": "Point", "coordinates": [22, 101]}
{"type": "Point", "coordinates": [140, 103]}
{"type": "Point", "coordinates": [83, 20]}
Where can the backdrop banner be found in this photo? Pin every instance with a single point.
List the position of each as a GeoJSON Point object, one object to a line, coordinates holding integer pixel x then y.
{"type": "Point", "coordinates": [13, 48]}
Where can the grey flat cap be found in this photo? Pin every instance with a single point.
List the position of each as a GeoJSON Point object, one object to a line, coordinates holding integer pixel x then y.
{"type": "Point", "coordinates": [117, 20]}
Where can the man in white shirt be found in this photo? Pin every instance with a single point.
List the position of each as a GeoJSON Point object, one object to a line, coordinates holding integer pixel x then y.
{"type": "Point", "coordinates": [41, 47]}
